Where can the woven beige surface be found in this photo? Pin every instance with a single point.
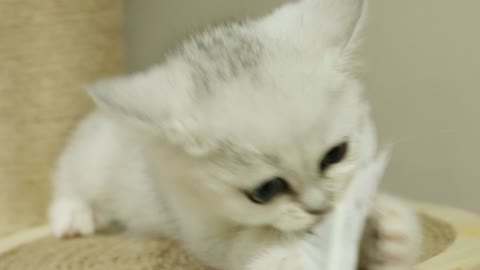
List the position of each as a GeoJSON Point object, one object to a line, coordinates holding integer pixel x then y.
{"type": "Point", "coordinates": [99, 253]}
{"type": "Point", "coordinates": [121, 252]}
{"type": "Point", "coordinates": [48, 50]}
{"type": "Point", "coordinates": [463, 252]}
{"type": "Point", "coordinates": [438, 235]}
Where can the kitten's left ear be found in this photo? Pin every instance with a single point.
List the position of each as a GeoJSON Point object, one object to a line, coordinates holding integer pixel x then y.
{"type": "Point", "coordinates": [353, 35]}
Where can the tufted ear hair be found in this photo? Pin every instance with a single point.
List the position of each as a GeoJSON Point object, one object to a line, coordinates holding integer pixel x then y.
{"type": "Point", "coordinates": [160, 101]}
{"type": "Point", "coordinates": [319, 24]}
{"type": "Point", "coordinates": [144, 98]}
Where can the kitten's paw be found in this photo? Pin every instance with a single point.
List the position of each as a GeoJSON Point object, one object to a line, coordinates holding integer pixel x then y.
{"type": "Point", "coordinates": [69, 218]}
{"type": "Point", "coordinates": [277, 259]}
{"type": "Point", "coordinates": [294, 219]}
{"type": "Point", "coordinates": [393, 237]}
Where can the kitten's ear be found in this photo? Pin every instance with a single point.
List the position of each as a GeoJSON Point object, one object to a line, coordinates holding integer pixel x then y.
{"type": "Point", "coordinates": [320, 24]}
{"type": "Point", "coordinates": [158, 100]}
{"type": "Point", "coordinates": [145, 98]}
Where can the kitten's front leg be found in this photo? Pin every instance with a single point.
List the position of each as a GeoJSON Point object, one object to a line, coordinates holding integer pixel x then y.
{"type": "Point", "coordinates": [71, 217]}
{"type": "Point", "coordinates": [392, 238]}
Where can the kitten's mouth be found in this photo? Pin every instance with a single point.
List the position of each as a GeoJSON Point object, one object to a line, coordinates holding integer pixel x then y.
{"type": "Point", "coordinates": [319, 212]}
{"type": "Point", "coordinates": [319, 215]}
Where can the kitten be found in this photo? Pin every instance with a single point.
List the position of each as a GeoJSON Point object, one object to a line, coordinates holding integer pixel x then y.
{"type": "Point", "coordinates": [242, 140]}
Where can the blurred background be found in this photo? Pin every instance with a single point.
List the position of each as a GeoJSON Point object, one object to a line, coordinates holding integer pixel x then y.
{"type": "Point", "coordinates": [422, 77]}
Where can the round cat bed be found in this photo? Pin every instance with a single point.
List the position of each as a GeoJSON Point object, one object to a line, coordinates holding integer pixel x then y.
{"type": "Point", "coordinates": [451, 241]}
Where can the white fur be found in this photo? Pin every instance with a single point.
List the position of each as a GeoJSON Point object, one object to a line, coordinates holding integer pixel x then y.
{"type": "Point", "coordinates": [171, 149]}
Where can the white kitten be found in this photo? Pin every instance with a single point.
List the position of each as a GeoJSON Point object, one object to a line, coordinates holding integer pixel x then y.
{"type": "Point", "coordinates": [241, 141]}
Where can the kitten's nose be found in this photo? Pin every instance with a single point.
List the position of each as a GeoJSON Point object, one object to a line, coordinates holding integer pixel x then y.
{"type": "Point", "coordinates": [314, 200]}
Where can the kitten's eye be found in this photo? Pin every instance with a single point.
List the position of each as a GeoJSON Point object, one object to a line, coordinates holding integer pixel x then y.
{"type": "Point", "coordinates": [268, 190]}
{"type": "Point", "coordinates": [334, 155]}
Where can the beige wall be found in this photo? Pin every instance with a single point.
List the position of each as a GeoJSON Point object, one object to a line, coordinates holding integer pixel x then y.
{"type": "Point", "coordinates": [423, 81]}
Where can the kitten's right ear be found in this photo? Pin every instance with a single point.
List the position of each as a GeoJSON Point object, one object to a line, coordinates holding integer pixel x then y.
{"type": "Point", "coordinates": [147, 99]}
{"type": "Point", "coordinates": [316, 25]}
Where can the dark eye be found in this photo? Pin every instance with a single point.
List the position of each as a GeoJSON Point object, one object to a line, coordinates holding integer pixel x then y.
{"type": "Point", "coordinates": [268, 190]}
{"type": "Point", "coordinates": [334, 155]}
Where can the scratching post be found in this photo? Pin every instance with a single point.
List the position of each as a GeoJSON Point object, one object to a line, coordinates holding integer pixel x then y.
{"type": "Point", "coordinates": [48, 50]}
